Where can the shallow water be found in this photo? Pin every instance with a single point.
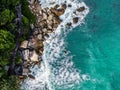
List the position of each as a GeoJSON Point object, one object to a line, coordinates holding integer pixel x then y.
{"type": "Point", "coordinates": [96, 46]}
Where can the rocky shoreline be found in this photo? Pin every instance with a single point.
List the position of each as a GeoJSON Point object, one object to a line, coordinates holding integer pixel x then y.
{"type": "Point", "coordinates": [47, 21]}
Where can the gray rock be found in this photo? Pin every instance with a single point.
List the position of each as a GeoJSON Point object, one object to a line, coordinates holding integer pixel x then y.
{"type": "Point", "coordinates": [44, 30]}
{"type": "Point", "coordinates": [49, 22]}
{"type": "Point", "coordinates": [39, 36]}
{"type": "Point", "coordinates": [50, 17]}
{"type": "Point", "coordinates": [25, 70]}
{"type": "Point", "coordinates": [26, 54]}
{"type": "Point", "coordinates": [44, 16]}
{"type": "Point", "coordinates": [34, 56]}
{"type": "Point", "coordinates": [31, 26]}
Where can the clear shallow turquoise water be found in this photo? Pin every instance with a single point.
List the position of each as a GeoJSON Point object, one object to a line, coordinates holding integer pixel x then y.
{"type": "Point", "coordinates": [96, 46]}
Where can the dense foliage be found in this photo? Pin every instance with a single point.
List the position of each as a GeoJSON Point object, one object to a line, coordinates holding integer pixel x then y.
{"type": "Point", "coordinates": [10, 83]}
{"type": "Point", "coordinates": [8, 35]}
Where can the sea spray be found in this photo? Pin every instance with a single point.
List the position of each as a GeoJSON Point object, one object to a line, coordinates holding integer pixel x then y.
{"type": "Point", "coordinates": [57, 70]}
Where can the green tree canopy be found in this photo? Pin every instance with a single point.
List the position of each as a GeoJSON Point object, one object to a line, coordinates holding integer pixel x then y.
{"type": "Point", "coordinates": [6, 40]}
{"type": "Point", "coordinates": [6, 45]}
{"type": "Point", "coordinates": [6, 16]}
{"type": "Point", "coordinates": [11, 83]}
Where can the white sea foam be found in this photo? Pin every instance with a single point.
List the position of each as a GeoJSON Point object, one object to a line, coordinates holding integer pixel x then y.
{"type": "Point", "coordinates": [57, 69]}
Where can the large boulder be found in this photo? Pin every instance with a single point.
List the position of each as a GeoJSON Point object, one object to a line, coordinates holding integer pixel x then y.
{"type": "Point", "coordinates": [24, 44]}
{"type": "Point", "coordinates": [34, 57]}
{"type": "Point", "coordinates": [58, 12]}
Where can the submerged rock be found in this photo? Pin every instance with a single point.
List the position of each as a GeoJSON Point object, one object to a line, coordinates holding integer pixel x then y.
{"type": "Point", "coordinates": [31, 76]}
{"type": "Point", "coordinates": [81, 9]}
{"type": "Point", "coordinates": [69, 5]}
{"type": "Point", "coordinates": [75, 20]}
{"type": "Point", "coordinates": [69, 24]}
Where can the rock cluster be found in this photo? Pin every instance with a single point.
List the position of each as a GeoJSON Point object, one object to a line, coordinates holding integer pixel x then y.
{"type": "Point", "coordinates": [47, 21]}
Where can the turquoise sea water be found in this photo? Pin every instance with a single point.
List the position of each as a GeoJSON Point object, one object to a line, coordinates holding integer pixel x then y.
{"type": "Point", "coordinates": [96, 46]}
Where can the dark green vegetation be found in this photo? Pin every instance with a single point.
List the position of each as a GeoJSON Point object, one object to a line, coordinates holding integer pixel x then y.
{"type": "Point", "coordinates": [9, 32]}
{"type": "Point", "coordinates": [10, 83]}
